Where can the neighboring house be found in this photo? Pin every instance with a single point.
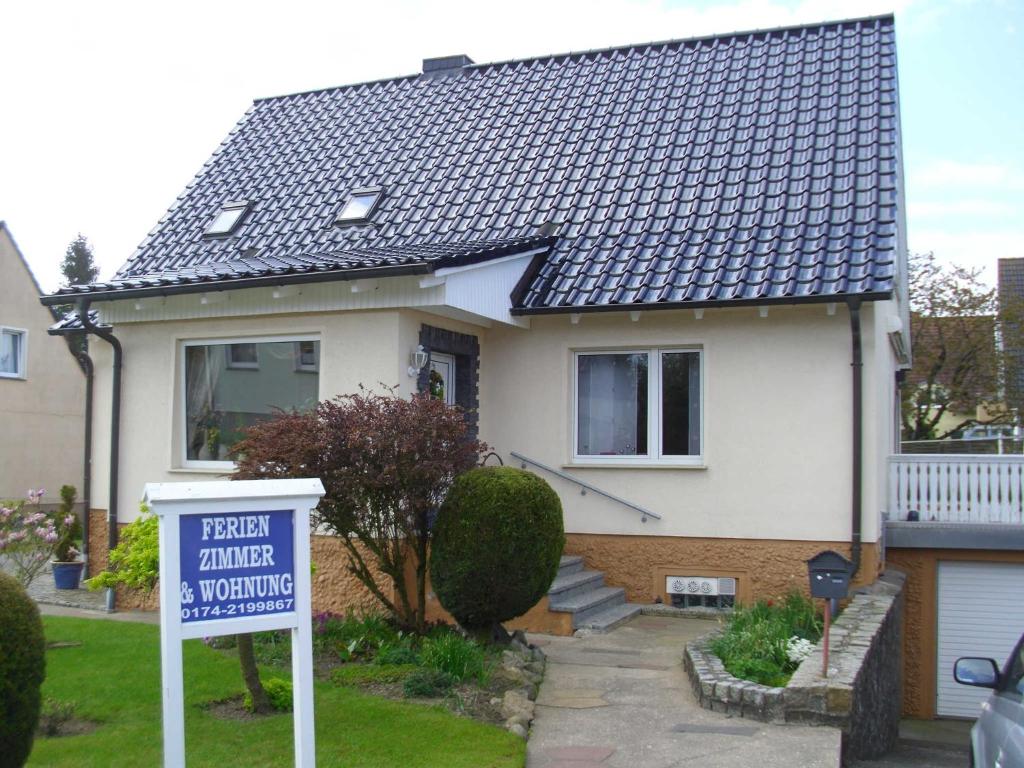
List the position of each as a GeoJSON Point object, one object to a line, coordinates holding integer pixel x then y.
{"type": "Point", "coordinates": [1010, 291]}
{"type": "Point", "coordinates": [673, 272]}
{"type": "Point", "coordinates": [42, 389]}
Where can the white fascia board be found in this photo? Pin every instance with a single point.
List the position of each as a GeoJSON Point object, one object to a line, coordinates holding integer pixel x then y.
{"type": "Point", "coordinates": [485, 289]}
{"type": "Point", "coordinates": [482, 290]}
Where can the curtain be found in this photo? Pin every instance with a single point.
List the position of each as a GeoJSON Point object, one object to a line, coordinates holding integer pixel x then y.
{"type": "Point", "coordinates": [203, 366]}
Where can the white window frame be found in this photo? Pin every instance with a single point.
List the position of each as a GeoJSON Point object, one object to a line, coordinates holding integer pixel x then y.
{"type": "Point", "coordinates": [182, 394]}
{"type": "Point", "coordinates": [654, 415]}
{"type": "Point", "coordinates": [21, 365]}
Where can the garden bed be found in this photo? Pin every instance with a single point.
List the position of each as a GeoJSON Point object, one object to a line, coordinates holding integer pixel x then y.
{"type": "Point", "coordinates": [860, 694]}
{"type": "Point", "coordinates": [441, 667]}
{"type": "Point", "coordinates": [766, 642]}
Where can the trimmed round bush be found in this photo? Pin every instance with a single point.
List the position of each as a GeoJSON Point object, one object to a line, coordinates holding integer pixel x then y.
{"type": "Point", "coordinates": [22, 669]}
{"type": "Point", "coordinates": [496, 545]}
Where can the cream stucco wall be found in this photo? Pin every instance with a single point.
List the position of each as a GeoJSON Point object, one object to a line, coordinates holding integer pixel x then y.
{"type": "Point", "coordinates": [777, 421]}
{"type": "Point", "coordinates": [776, 412]}
{"type": "Point", "coordinates": [42, 415]}
{"type": "Point", "coordinates": [357, 348]}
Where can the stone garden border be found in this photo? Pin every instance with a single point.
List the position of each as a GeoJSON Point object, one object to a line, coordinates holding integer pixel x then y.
{"type": "Point", "coordinates": [861, 695]}
{"type": "Point", "coordinates": [524, 663]}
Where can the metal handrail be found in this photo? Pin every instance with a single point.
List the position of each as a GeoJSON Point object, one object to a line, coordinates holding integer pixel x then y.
{"type": "Point", "coordinates": [584, 487]}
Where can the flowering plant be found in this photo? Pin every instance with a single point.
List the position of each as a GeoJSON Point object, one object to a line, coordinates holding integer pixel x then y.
{"type": "Point", "coordinates": [798, 649]}
{"type": "Point", "coordinates": [27, 536]}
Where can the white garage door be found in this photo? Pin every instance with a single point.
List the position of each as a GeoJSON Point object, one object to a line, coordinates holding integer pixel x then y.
{"type": "Point", "coordinates": [981, 613]}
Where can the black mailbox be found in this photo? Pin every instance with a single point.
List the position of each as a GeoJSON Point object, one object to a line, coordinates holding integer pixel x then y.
{"type": "Point", "coordinates": [830, 574]}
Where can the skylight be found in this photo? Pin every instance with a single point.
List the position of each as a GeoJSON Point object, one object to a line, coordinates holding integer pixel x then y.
{"type": "Point", "coordinates": [227, 218]}
{"type": "Point", "coordinates": [359, 206]}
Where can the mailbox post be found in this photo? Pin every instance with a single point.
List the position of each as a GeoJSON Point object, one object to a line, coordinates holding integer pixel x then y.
{"type": "Point", "coordinates": [829, 574]}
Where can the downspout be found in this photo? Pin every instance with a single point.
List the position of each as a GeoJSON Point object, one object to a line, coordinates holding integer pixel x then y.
{"type": "Point", "coordinates": [86, 363]}
{"type": "Point", "coordinates": [115, 428]}
{"type": "Point", "coordinates": [856, 367]}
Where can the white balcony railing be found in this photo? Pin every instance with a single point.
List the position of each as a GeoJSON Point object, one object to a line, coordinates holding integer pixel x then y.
{"type": "Point", "coordinates": [957, 488]}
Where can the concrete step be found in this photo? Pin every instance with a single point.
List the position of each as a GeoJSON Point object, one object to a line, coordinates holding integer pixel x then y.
{"type": "Point", "coordinates": [608, 619]}
{"type": "Point", "coordinates": [566, 585]}
{"type": "Point", "coordinates": [588, 603]}
{"type": "Point", "coordinates": [570, 564]}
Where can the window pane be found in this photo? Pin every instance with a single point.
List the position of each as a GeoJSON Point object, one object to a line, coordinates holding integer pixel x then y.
{"type": "Point", "coordinates": [225, 220]}
{"type": "Point", "coordinates": [221, 399]}
{"type": "Point", "coordinates": [612, 403]}
{"type": "Point", "coordinates": [10, 352]}
{"type": "Point", "coordinates": [358, 206]}
{"type": "Point", "coordinates": [680, 404]}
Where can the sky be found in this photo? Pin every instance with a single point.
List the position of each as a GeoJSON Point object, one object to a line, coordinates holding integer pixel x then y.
{"type": "Point", "coordinates": [109, 109]}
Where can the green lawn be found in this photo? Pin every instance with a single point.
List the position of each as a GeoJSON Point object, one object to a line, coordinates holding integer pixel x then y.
{"type": "Point", "coordinates": [114, 678]}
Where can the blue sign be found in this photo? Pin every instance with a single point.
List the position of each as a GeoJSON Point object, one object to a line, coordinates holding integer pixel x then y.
{"type": "Point", "coordinates": [237, 564]}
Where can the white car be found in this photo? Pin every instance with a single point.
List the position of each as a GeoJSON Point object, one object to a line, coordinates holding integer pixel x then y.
{"type": "Point", "coordinates": [997, 738]}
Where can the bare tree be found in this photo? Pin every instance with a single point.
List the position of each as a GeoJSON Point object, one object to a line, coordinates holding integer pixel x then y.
{"type": "Point", "coordinates": [960, 334]}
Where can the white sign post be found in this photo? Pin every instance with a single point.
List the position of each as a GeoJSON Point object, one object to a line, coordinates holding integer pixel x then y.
{"type": "Point", "coordinates": [234, 559]}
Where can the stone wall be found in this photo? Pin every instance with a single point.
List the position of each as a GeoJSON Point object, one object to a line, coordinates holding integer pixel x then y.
{"type": "Point", "coordinates": [861, 694]}
{"type": "Point", "coordinates": [763, 569]}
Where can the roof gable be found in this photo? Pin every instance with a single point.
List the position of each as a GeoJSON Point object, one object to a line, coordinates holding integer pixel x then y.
{"type": "Point", "coordinates": [747, 167]}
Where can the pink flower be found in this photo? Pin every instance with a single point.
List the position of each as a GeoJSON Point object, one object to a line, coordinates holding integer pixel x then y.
{"type": "Point", "coordinates": [69, 520]}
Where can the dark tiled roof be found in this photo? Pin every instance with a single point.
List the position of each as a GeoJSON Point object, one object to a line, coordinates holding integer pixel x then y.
{"type": "Point", "coordinates": [375, 258]}
{"type": "Point", "coordinates": [72, 323]}
{"type": "Point", "coordinates": [759, 166]}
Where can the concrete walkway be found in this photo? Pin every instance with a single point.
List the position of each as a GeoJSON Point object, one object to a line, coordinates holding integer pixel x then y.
{"type": "Point", "coordinates": [622, 700]}
{"type": "Point", "coordinates": [80, 603]}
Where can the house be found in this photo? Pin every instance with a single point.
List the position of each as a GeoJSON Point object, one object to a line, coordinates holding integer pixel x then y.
{"type": "Point", "coordinates": [1010, 292]}
{"type": "Point", "coordinates": [42, 389]}
{"type": "Point", "coordinates": [670, 278]}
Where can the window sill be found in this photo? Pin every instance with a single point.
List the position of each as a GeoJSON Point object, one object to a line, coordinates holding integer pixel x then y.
{"type": "Point", "coordinates": [631, 465]}
{"type": "Point", "coordinates": [13, 376]}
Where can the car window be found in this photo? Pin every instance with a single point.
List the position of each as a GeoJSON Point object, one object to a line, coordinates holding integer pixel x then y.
{"type": "Point", "coordinates": [1015, 670]}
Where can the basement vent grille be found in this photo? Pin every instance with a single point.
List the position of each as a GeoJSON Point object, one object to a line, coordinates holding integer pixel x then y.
{"type": "Point", "coordinates": [701, 591]}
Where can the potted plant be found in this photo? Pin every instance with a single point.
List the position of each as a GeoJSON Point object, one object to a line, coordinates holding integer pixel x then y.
{"type": "Point", "coordinates": [67, 568]}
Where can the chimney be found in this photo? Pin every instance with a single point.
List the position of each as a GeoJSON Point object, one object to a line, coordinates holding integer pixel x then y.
{"type": "Point", "coordinates": [445, 65]}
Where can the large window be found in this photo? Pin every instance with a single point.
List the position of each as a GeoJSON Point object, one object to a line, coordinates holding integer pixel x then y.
{"type": "Point", "coordinates": [12, 353]}
{"type": "Point", "coordinates": [636, 406]}
{"type": "Point", "coordinates": [233, 384]}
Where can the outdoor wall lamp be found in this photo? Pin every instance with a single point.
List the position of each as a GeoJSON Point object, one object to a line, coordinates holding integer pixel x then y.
{"type": "Point", "coordinates": [418, 357]}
